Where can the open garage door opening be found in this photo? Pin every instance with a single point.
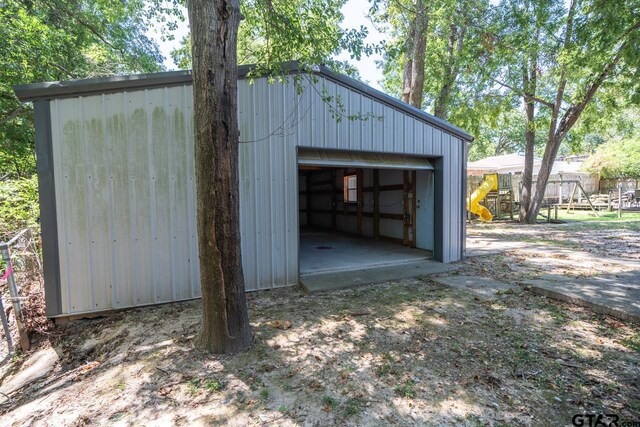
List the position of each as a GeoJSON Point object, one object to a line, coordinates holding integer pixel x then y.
{"type": "Point", "coordinates": [363, 210]}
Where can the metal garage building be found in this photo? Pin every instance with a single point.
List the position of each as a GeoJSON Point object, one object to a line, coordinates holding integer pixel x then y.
{"type": "Point", "coordinates": [322, 160]}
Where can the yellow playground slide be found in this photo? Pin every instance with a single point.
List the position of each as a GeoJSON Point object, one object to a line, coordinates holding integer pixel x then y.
{"type": "Point", "coordinates": [490, 183]}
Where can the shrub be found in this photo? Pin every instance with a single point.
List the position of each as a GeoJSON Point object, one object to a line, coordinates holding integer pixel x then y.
{"type": "Point", "coordinates": [18, 205]}
{"type": "Point", "coordinates": [616, 159]}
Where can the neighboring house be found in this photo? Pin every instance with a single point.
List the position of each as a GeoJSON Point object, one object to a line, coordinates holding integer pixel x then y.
{"type": "Point", "coordinates": [504, 164]}
{"type": "Point", "coordinates": [117, 191]}
{"type": "Point", "coordinates": [514, 163]}
{"type": "Point", "coordinates": [564, 173]}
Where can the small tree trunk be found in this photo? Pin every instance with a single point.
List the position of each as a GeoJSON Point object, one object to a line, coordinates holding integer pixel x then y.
{"type": "Point", "coordinates": [456, 43]}
{"type": "Point", "coordinates": [408, 66]}
{"type": "Point", "coordinates": [214, 29]}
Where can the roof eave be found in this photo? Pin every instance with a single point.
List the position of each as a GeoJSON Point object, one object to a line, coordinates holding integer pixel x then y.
{"type": "Point", "coordinates": [105, 85]}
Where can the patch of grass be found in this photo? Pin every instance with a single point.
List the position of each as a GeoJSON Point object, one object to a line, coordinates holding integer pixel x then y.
{"type": "Point", "coordinates": [632, 343]}
{"type": "Point", "coordinates": [194, 385]}
{"type": "Point", "coordinates": [264, 394]}
{"type": "Point", "coordinates": [346, 373]}
{"type": "Point", "coordinates": [407, 390]}
{"type": "Point", "coordinates": [214, 385]}
{"type": "Point", "coordinates": [282, 409]}
{"type": "Point", "coordinates": [588, 216]}
{"type": "Point", "coordinates": [352, 407]}
{"type": "Point", "coordinates": [474, 420]}
{"type": "Point", "coordinates": [541, 241]}
{"type": "Point", "coordinates": [558, 314]}
{"type": "Point", "coordinates": [116, 416]}
{"type": "Point", "coordinates": [17, 357]}
{"type": "Point", "coordinates": [329, 402]}
{"type": "Point", "coordinates": [388, 367]}
{"type": "Point", "coordinates": [121, 386]}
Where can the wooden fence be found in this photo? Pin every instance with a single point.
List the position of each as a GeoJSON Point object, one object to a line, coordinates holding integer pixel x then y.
{"type": "Point", "coordinates": [607, 185]}
{"type": "Point", "coordinates": [558, 189]}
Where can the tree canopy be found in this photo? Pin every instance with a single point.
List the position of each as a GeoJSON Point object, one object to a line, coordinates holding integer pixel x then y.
{"type": "Point", "coordinates": [277, 31]}
{"type": "Point", "coordinates": [616, 159]}
{"type": "Point", "coordinates": [44, 40]}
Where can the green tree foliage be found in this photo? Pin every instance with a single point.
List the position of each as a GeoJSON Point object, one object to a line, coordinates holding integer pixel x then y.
{"type": "Point", "coordinates": [616, 159]}
{"type": "Point", "coordinates": [45, 40]}
{"type": "Point", "coordinates": [581, 51]}
{"type": "Point", "coordinates": [277, 31]}
{"type": "Point", "coordinates": [457, 46]}
{"type": "Point", "coordinates": [18, 204]}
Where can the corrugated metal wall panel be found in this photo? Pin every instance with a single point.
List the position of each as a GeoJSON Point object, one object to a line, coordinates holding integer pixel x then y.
{"type": "Point", "coordinates": [125, 195]}
{"type": "Point", "coordinates": [269, 117]}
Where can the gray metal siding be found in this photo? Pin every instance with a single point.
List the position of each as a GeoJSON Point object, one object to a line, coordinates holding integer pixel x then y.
{"type": "Point", "coordinates": [125, 188]}
{"type": "Point", "coordinates": [125, 192]}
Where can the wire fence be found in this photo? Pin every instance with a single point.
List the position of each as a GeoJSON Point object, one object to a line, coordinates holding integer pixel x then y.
{"type": "Point", "coordinates": [24, 242]}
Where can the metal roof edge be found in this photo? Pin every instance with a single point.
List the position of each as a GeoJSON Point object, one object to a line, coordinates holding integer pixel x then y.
{"type": "Point", "coordinates": [93, 86]}
{"type": "Point", "coordinates": [396, 103]}
{"type": "Point", "coordinates": [103, 85]}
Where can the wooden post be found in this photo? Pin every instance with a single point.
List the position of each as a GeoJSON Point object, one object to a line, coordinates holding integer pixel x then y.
{"type": "Point", "coordinates": [560, 191]}
{"type": "Point", "coordinates": [360, 185]}
{"type": "Point", "coordinates": [405, 208]}
{"type": "Point", "coordinates": [376, 204]}
{"type": "Point", "coordinates": [511, 205]}
{"type": "Point", "coordinates": [345, 205]}
{"type": "Point", "coordinates": [414, 210]}
{"type": "Point", "coordinates": [588, 200]}
{"type": "Point", "coordinates": [334, 203]}
{"type": "Point", "coordinates": [308, 197]}
{"type": "Point", "coordinates": [619, 201]}
{"type": "Point", "coordinates": [573, 193]}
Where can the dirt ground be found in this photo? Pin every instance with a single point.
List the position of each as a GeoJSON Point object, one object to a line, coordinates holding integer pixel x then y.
{"type": "Point", "coordinates": [606, 238]}
{"type": "Point", "coordinates": [401, 353]}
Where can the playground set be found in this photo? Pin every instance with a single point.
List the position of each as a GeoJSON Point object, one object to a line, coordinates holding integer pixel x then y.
{"type": "Point", "coordinates": [493, 198]}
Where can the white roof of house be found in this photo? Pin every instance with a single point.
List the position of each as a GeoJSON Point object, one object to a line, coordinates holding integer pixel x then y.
{"type": "Point", "coordinates": [562, 166]}
{"type": "Point", "coordinates": [505, 161]}
{"type": "Point", "coordinates": [513, 163]}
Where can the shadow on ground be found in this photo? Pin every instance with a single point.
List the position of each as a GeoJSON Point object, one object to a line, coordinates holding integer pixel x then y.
{"type": "Point", "coordinates": [411, 352]}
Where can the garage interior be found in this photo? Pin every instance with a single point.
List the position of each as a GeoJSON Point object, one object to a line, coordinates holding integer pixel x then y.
{"type": "Point", "coordinates": [361, 211]}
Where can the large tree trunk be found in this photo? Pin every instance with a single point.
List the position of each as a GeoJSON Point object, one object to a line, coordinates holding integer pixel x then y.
{"type": "Point", "coordinates": [214, 29]}
{"type": "Point", "coordinates": [527, 175]}
{"type": "Point", "coordinates": [529, 82]}
{"type": "Point", "coordinates": [419, 52]}
{"type": "Point", "coordinates": [414, 57]}
{"type": "Point", "coordinates": [549, 157]}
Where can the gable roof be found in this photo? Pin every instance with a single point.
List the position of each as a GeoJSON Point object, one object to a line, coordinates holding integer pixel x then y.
{"type": "Point", "coordinates": [102, 85]}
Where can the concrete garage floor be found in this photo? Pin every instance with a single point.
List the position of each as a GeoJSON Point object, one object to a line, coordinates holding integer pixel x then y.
{"type": "Point", "coordinates": [327, 251]}
{"type": "Point", "coordinates": [349, 261]}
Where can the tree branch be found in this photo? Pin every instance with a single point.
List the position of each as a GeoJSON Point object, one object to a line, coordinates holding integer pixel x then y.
{"type": "Point", "coordinates": [15, 113]}
{"type": "Point", "coordinates": [524, 94]}
{"type": "Point", "coordinates": [64, 70]}
{"type": "Point", "coordinates": [58, 5]}
{"type": "Point", "coordinates": [574, 112]}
